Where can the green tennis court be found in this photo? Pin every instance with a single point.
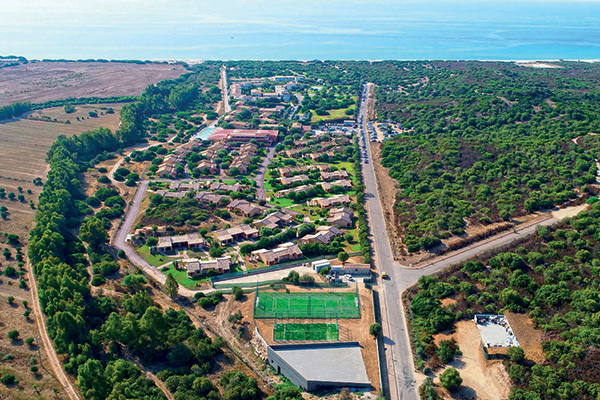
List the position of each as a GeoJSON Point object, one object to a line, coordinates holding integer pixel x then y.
{"type": "Point", "coordinates": [305, 332]}
{"type": "Point", "coordinates": [306, 305]}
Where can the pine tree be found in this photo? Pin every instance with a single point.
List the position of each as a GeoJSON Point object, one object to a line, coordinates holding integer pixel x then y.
{"type": "Point", "coordinates": [171, 285]}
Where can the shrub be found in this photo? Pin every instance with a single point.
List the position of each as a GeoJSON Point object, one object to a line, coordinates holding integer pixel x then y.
{"type": "Point", "coordinates": [238, 292]}
{"type": "Point", "coordinates": [450, 379]}
{"type": "Point", "coordinates": [9, 379]}
{"type": "Point", "coordinates": [375, 329]}
{"type": "Point", "coordinates": [103, 179]}
{"type": "Point", "coordinates": [10, 271]}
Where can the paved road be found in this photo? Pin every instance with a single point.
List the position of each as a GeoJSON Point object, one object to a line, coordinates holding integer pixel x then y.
{"type": "Point", "coordinates": [225, 89]}
{"type": "Point", "coordinates": [398, 376]}
{"type": "Point", "coordinates": [260, 175]}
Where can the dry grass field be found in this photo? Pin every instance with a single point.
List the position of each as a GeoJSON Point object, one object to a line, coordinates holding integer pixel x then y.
{"type": "Point", "coordinates": [16, 356]}
{"type": "Point", "coordinates": [44, 81]}
{"type": "Point", "coordinates": [25, 143]}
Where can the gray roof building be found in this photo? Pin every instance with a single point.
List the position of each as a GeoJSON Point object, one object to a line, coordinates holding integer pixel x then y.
{"type": "Point", "coordinates": [320, 365]}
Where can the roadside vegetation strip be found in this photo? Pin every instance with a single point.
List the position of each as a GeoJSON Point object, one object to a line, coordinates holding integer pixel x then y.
{"type": "Point", "coordinates": [305, 332]}
{"type": "Point", "coordinates": [306, 305]}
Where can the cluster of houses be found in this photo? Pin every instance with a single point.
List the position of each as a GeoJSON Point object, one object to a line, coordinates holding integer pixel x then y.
{"type": "Point", "coordinates": [266, 116]}
{"type": "Point", "coordinates": [244, 158]}
{"type": "Point", "coordinates": [281, 92]}
{"type": "Point", "coordinates": [345, 184]}
{"type": "Point", "coordinates": [338, 218]}
{"type": "Point", "coordinates": [333, 201]}
{"type": "Point", "coordinates": [195, 267]}
{"type": "Point", "coordinates": [316, 146]}
{"type": "Point", "coordinates": [289, 171]}
{"type": "Point", "coordinates": [283, 252]}
{"type": "Point", "coordinates": [178, 189]}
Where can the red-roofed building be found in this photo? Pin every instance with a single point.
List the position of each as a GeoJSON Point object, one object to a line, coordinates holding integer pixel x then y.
{"type": "Point", "coordinates": [244, 135]}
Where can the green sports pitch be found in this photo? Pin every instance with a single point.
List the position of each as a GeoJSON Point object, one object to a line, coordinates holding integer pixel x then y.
{"type": "Point", "coordinates": [306, 305]}
{"type": "Point", "coordinates": [305, 332]}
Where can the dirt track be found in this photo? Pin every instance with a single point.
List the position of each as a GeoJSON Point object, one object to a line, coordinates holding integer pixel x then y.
{"type": "Point", "coordinates": [46, 344]}
{"type": "Point", "coordinates": [44, 81]}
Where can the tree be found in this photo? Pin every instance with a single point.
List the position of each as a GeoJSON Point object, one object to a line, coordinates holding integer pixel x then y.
{"type": "Point", "coordinates": [238, 292]}
{"type": "Point", "coordinates": [92, 380]}
{"type": "Point", "coordinates": [171, 286]}
{"type": "Point", "coordinates": [450, 379]}
{"type": "Point", "coordinates": [293, 277]}
{"type": "Point", "coordinates": [516, 354]}
{"type": "Point", "coordinates": [343, 256]}
{"type": "Point", "coordinates": [375, 329]}
{"type": "Point", "coordinates": [151, 241]}
{"type": "Point", "coordinates": [92, 231]}
{"type": "Point", "coordinates": [13, 335]}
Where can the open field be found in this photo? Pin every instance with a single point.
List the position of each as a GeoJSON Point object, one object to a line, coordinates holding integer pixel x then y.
{"type": "Point", "coordinates": [312, 332]}
{"type": "Point", "coordinates": [307, 305]}
{"type": "Point", "coordinates": [44, 81]}
{"type": "Point", "coordinates": [25, 143]}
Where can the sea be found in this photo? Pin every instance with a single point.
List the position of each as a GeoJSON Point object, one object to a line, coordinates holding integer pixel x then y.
{"type": "Point", "coordinates": [301, 29]}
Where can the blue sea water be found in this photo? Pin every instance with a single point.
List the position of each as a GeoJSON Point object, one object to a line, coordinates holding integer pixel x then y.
{"type": "Point", "coordinates": [301, 29]}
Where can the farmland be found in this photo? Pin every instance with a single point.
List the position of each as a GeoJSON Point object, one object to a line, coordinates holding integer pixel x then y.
{"type": "Point", "coordinates": [44, 81]}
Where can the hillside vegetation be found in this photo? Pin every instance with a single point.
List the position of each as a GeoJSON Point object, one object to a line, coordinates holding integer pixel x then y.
{"type": "Point", "coordinates": [554, 278]}
{"type": "Point", "coordinates": [489, 143]}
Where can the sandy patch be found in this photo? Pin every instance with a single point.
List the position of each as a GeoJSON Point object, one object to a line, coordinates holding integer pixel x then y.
{"type": "Point", "coordinates": [486, 380]}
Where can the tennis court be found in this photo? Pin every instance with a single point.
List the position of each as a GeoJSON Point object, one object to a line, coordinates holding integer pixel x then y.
{"type": "Point", "coordinates": [306, 305]}
{"type": "Point", "coordinates": [305, 332]}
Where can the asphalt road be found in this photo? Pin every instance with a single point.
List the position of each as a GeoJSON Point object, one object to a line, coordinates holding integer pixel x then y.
{"type": "Point", "coordinates": [398, 371]}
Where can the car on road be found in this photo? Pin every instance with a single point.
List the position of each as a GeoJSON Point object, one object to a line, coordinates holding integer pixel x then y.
{"type": "Point", "coordinates": [384, 275]}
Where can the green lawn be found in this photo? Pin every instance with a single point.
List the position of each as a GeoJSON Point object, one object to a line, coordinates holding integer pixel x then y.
{"type": "Point", "coordinates": [180, 276]}
{"type": "Point", "coordinates": [282, 201]}
{"type": "Point", "coordinates": [306, 305]}
{"type": "Point", "coordinates": [155, 260]}
{"type": "Point", "coordinates": [305, 332]}
{"type": "Point", "coordinates": [338, 113]}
